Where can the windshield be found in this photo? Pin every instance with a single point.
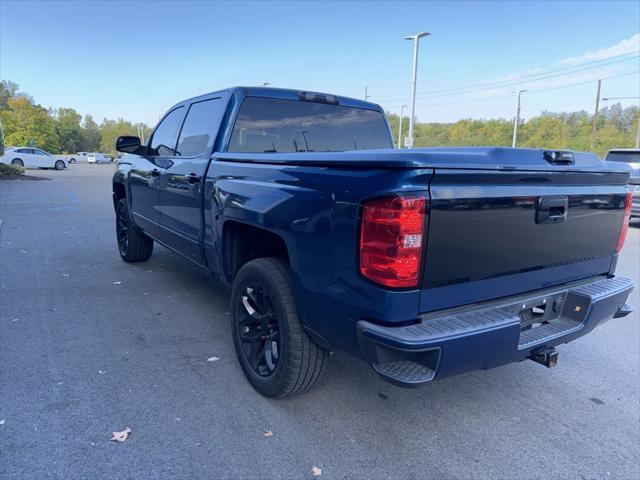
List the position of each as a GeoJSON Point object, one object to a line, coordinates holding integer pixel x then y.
{"type": "Point", "coordinates": [626, 157]}
{"type": "Point", "coordinates": [275, 125]}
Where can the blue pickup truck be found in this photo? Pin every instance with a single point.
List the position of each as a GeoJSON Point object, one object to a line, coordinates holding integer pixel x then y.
{"type": "Point", "coordinates": [426, 263]}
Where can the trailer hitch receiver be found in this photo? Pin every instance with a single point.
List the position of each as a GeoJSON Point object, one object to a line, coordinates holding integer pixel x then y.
{"type": "Point", "coordinates": [547, 357]}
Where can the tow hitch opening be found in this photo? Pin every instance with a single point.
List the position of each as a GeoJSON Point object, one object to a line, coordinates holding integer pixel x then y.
{"type": "Point", "coordinates": [547, 357]}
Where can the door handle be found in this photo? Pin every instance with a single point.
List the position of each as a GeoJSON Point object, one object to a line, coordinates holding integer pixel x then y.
{"type": "Point", "coordinates": [552, 209]}
{"type": "Point", "coordinates": [192, 178]}
{"type": "Point", "coordinates": [155, 172]}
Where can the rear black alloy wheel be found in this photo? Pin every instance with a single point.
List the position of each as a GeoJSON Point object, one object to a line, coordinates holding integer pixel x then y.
{"type": "Point", "coordinates": [258, 330]}
{"type": "Point", "coordinates": [276, 354]}
{"type": "Point", "coordinates": [17, 162]}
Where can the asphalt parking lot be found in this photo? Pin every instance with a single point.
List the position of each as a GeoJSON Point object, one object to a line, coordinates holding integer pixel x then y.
{"type": "Point", "coordinates": [90, 345]}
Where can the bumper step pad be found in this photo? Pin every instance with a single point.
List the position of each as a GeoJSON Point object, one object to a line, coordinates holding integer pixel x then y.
{"type": "Point", "coordinates": [404, 372]}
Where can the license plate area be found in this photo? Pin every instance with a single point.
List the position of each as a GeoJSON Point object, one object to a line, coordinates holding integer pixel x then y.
{"type": "Point", "coordinates": [538, 312]}
{"type": "Point", "coordinates": [549, 316]}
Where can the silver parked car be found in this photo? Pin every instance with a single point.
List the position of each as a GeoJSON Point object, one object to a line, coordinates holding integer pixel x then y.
{"type": "Point", "coordinates": [630, 156]}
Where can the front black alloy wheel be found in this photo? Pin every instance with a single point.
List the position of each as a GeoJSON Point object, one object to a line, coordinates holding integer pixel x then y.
{"type": "Point", "coordinates": [275, 353]}
{"type": "Point", "coordinates": [122, 229]}
{"type": "Point", "coordinates": [133, 245]}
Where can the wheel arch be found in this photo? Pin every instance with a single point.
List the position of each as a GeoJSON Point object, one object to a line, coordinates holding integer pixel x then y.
{"type": "Point", "coordinates": [243, 242]}
{"type": "Point", "coordinates": [119, 192]}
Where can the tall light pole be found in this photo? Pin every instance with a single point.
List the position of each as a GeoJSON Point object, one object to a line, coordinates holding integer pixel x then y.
{"type": "Point", "coordinates": [400, 127]}
{"type": "Point", "coordinates": [628, 98]}
{"type": "Point", "coordinates": [517, 119]}
{"type": "Point", "coordinates": [416, 41]}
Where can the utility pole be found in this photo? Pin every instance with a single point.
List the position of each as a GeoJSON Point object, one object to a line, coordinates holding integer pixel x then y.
{"type": "Point", "coordinates": [400, 127]}
{"type": "Point", "coordinates": [366, 95]}
{"type": "Point", "coordinates": [416, 41]}
{"type": "Point", "coordinates": [595, 118]}
{"type": "Point", "coordinates": [516, 121]}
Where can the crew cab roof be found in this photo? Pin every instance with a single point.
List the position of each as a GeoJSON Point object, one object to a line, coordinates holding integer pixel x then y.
{"type": "Point", "coordinates": [284, 94]}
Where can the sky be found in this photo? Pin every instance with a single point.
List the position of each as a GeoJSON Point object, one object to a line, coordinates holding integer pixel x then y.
{"type": "Point", "coordinates": [134, 60]}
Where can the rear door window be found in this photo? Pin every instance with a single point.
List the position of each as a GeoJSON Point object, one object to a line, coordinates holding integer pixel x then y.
{"type": "Point", "coordinates": [269, 125]}
{"type": "Point", "coordinates": [163, 142]}
{"type": "Point", "coordinates": [199, 127]}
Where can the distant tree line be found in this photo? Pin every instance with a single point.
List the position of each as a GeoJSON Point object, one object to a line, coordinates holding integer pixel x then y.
{"type": "Point", "coordinates": [616, 128]}
{"type": "Point", "coordinates": [62, 130]}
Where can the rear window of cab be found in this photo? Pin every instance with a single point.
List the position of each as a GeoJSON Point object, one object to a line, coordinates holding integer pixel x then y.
{"type": "Point", "coordinates": [273, 125]}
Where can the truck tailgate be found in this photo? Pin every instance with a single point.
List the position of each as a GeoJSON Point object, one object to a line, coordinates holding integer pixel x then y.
{"type": "Point", "coordinates": [497, 233]}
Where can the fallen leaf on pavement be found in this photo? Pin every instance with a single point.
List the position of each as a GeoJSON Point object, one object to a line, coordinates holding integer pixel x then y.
{"type": "Point", "coordinates": [117, 283]}
{"type": "Point", "coordinates": [213, 359]}
{"type": "Point", "coordinates": [121, 436]}
{"type": "Point", "coordinates": [316, 472]}
{"type": "Point", "coordinates": [2, 422]}
{"type": "Point", "coordinates": [268, 433]}
{"type": "Point", "coordinates": [101, 372]}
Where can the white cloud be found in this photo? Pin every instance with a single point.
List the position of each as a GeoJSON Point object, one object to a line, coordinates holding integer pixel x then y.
{"type": "Point", "coordinates": [629, 45]}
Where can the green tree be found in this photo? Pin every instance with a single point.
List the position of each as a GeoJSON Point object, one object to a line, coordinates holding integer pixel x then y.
{"type": "Point", "coordinates": [8, 89]}
{"type": "Point", "coordinates": [90, 135]}
{"type": "Point", "coordinates": [69, 130]}
{"type": "Point", "coordinates": [27, 124]}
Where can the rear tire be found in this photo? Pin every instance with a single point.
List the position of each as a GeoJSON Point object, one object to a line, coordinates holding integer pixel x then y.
{"type": "Point", "coordinates": [133, 245]}
{"type": "Point", "coordinates": [17, 162]}
{"type": "Point", "coordinates": [277, 356]}
{"type": "Point", "coordinates": [59, 165]}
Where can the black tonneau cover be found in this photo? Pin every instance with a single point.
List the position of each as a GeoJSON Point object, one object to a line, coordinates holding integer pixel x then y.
{"type": "Point", "coordinates": [483, 158]}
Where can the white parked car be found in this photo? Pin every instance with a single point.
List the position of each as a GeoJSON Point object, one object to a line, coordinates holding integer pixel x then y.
{"type": "Point", "coordinates": [98, 158]}
{"type": "Point", "coordinates": [30, 157]}
{"type": "Point", "coordinates": [78, 157]}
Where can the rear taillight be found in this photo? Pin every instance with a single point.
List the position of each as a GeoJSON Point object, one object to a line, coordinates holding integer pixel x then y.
{"type": "Point", "coordinates": [391, 238]}
{"type": "Point", "coordinates": [625, 221]}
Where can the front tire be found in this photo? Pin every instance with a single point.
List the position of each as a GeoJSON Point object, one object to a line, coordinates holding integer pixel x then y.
{"type": "Point", "coordinates": [59, 165]}
{"type": "Point", "coordinates": [277, 356]}
{"type": "Point", "coordinates": [133, 245]}
{"type": "Point", "coordinates": [17, 162]}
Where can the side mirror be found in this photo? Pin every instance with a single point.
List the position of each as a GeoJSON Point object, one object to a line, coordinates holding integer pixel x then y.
{"type": "Point", "coordinates": [128, 144]}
